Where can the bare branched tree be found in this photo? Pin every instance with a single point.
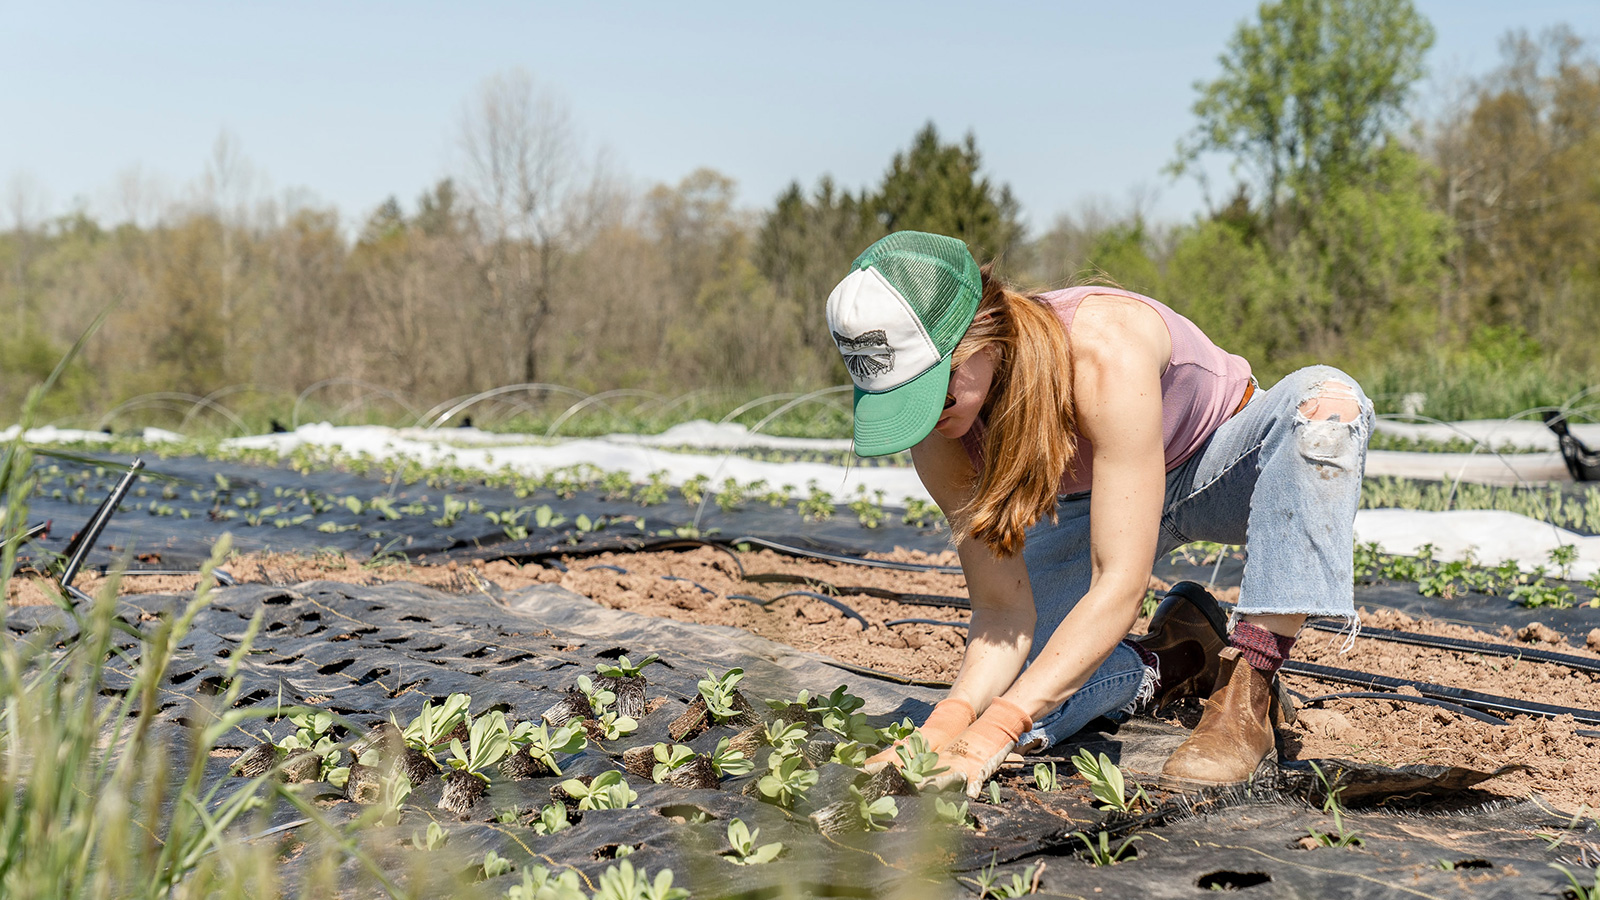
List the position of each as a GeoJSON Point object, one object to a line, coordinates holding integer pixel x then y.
{"type": "Point", "coordinates": [535, 195]}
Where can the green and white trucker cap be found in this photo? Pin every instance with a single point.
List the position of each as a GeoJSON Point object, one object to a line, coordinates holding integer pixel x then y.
{"type": "Point", "coordinates": [897, 317]}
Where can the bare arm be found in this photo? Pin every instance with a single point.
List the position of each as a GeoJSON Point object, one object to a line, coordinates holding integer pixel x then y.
{"type": "Point", "coordinates": [1120, 348]}
{"type": "Point", "coordinates": [1001, 633]}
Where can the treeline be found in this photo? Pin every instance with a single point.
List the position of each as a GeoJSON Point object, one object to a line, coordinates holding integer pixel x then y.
{"type": "Point", "coordinates": [1457, 256]}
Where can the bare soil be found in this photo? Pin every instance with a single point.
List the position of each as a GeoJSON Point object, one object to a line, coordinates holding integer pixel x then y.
{"type": "Point", "coordinates": [703, 586]}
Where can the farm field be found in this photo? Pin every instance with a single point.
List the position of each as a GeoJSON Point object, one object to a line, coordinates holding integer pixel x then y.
{"type": "Point", "coordinates": [368, 588]}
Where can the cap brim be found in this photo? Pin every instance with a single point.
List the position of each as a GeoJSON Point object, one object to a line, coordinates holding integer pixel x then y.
{"type": "Point", "coordinates": [899, 419]}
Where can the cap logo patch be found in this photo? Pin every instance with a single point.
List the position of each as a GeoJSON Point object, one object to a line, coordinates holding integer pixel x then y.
{"type": "Point", "coordinates": [866, 355]}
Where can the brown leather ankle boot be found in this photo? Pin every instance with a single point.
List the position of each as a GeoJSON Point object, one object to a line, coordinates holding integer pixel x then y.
{"type": "Point", "coordinates": [1234, 735]}
{"type": "Point", "coordinates": [1186, 632]}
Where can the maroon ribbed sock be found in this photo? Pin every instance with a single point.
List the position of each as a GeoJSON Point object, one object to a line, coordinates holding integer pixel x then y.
{"type": "Point", "coordinates": [1259, 647]}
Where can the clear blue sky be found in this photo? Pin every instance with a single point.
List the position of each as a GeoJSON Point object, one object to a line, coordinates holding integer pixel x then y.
{"type": "Point", "coordinates": [353, 102]}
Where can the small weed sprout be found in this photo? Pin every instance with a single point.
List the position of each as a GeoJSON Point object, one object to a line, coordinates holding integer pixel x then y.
{"type": "Point", "coordinates": [1580, 891]}
{"type": "Point", "coordinates": [745, 852]}
{"type": "Point", "coordinates": [988, 882]}
{"type": "Point", "coordinates": [1099, 851]}
{"type": "Point", "coordinates": [608, 790]}
{"type": "Point", "coordinates": [1340, 836]}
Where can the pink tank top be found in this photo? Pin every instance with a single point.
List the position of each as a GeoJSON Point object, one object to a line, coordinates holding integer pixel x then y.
{"type": "Point", "coordinates": [1200, 389]}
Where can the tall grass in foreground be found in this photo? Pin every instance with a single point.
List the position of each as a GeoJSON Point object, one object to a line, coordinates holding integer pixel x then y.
{"type": "Point", "coordinates": [102, 798]}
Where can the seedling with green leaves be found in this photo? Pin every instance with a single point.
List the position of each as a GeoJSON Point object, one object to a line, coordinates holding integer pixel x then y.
{"type": "Point", "coordinates": [539, 742]}
{"type": "Point", "coordinates": [551, 819]}
{"type": "Point", "coordinates": [433, 839]}
{"type": "Point", "coordinates": [1098, 850]}
{"type": "Point", "coordinates": [489, 742]}
{"type": "Point", "coordinates": [599, 698]}
{"type": "Point", "coordinates": [613, 726]}
{"type": "Point", "coordinates": [608, 790]}
{"type": "Point", "coordinates": [726, 761]}
{"type": "Point", "coordinates": [433, 725]}
{"type": "Point", "coordinates": [1106, 782]}
{"type": "Point", "coordinates": [1044, 777]}
{"type": "Point", "coordinates": [669, 757]}
{"type": "Point", "coordinates": [623, 882]}
{"type": "Point", "coordinates": [786, 781]}
{"type": "Point", "coordinates": [785, 737]}
{"type": "Point", "coordinates": [1579, 890]}
{"type": "Point", "coordinates": [1341, 836]}
{"type": "Point", "coordinates": [918, 762]}
{"type": "Point", "coordinates": [957, 814]}
{"type": "Point", "coordinates": [625, 668]}
{"type": "Point", "coordinates": [840, 711]}
{"type": "Point", "coordinates": [743, 848]}
{"type": "Point", "coordinates": [494, 865]}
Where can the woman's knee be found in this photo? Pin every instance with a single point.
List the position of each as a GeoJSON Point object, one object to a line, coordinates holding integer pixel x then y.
{"type": "Point", "coordinates": [1326, 394]}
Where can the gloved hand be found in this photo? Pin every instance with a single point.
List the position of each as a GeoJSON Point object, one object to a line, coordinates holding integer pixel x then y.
{"type": "Point", "coordinates": [977, 753]}
{"type": "Point", "coordinates": [949, 718]}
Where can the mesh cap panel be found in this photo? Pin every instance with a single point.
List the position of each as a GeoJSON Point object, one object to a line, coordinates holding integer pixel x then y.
{"type": "Point", "coordinates": [937, 276]}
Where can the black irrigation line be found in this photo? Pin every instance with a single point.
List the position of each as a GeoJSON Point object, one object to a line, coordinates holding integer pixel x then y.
{"type": "Point", "coordinates": [1481, 648]}
{"type": "Point", "coordinates": [1457, 708]}
{"type": "Point", "coordinates": [844, 558]}
{"type": "Point", "coordinates": [1474, 699]}
{"type": "Point", "coordinates": [836, 604]}
{"type": "Point", "coordinates": [961, 625]}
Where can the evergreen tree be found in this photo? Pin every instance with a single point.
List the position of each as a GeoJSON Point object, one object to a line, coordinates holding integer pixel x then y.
{"type": "Point", "coordinates": [936, 187]}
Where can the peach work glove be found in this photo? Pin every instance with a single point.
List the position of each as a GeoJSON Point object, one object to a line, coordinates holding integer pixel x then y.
{"type": "Point", "coordinates": [977, 753]}
{"type": "Point", "coordinates": [950, 717]}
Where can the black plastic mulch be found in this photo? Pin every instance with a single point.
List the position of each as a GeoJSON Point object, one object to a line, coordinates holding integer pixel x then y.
{"type": "Point", "coordinates": [366, 652]}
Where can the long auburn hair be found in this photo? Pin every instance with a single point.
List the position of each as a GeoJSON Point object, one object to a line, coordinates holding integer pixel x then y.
{"type": "Point", "coordinates": [1030, 421]}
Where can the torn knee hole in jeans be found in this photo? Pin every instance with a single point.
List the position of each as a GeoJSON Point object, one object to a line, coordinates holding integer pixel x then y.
{"type": "Point", "coordinates": [1331, 401]}
{"type": "Point", "coordinates": [1330, 421]}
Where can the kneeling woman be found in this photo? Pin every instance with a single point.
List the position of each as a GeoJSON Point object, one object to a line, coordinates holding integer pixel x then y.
{"type": "Point", "coordinates": [1073, 438]}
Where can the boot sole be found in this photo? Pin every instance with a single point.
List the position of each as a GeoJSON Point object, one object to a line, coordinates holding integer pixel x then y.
{"type": "Point", "coordinates": [1268, 764]}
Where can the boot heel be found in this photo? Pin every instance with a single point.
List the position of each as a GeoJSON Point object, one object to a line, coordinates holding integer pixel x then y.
{"type": "Point", "coordinates": [1283, 711]}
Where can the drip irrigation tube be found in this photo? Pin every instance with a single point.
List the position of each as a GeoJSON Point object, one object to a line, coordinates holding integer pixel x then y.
{"type": "Point", "coordinates": [842, 558]}
{"type": "Point", "coordinates": [1482, 648]}
{"type": "Point", "coordinates": [924, 622]}
{"type": "Point", "coordinates": [828, 600]}
{"type": "Point", "coordinates": [1402, 698]}
{"type": "Point", "coordinates": [1474, 699]}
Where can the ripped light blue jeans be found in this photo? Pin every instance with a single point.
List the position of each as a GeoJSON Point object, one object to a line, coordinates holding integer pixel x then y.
{"type": "Point", "coordinates": [1284, 485]}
